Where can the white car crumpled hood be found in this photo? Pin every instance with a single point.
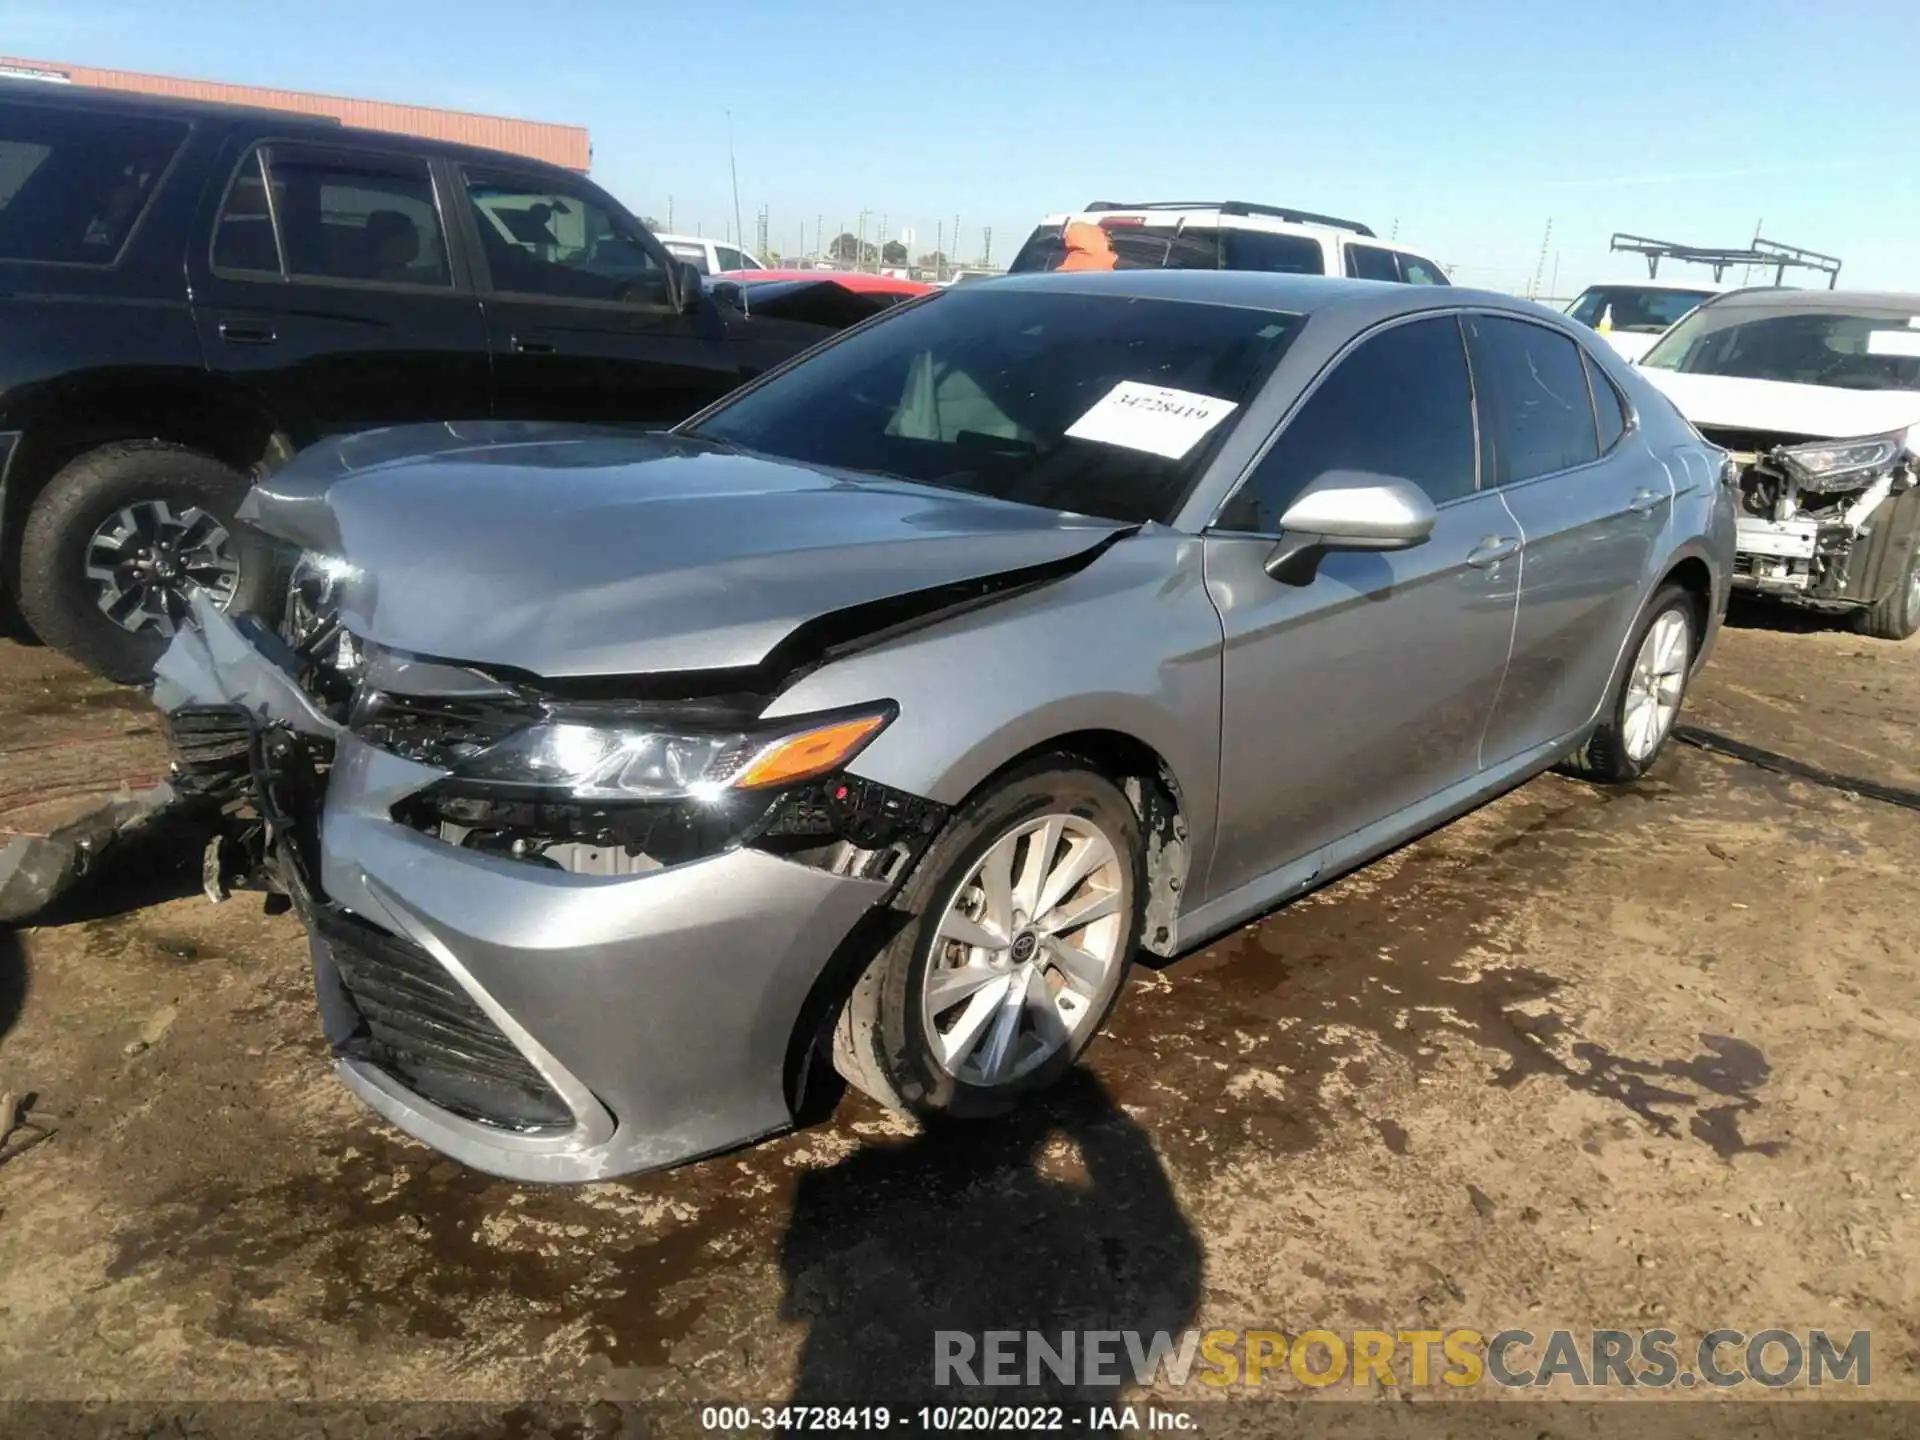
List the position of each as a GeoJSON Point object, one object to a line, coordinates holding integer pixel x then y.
{"type": "Point", "coordinates": [1821, 412]}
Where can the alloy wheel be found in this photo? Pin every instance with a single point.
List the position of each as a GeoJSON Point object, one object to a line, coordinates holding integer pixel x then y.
{"type": "Point", "coordinates": [147, 559]}
{"type": "Point", "coordinates": [1027, 950]}
{"type": "Point", "coordinates": [1654, 687]}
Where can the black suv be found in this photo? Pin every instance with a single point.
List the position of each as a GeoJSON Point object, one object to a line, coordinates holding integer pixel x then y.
{"type": "Point", "coordinates": [189, 293]}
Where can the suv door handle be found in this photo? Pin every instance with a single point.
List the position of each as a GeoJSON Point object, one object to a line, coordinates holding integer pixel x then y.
{"type": "Point", "coordinates": [522, 345]}
{"type": "Point", "coordinates": [247, 335]}
{"type": "Point", "coordinates": [1645, 500]}
{"type": "Point", "coordinates": [1492, 550]}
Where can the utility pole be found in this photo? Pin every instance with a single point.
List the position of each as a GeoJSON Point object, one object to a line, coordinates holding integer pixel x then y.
{"type": "Point", "coordinates": [986, 248]}
{"type": "Point", "coordinates": [760, 233]}
{"type": "Point", "coordinates": [669, 214]}
{"type": "Point", "coordinates": [860, 242]}
{"type": "Point", "coordinates": [940, 250]}
{"type": "Point", "coordinates": [819, 236]}
{"type": "Point", "coordinates": [1540, 266]}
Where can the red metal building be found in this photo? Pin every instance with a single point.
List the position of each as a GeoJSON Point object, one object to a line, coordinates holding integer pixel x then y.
{"type": "Point", "coordinates": [558, 144]}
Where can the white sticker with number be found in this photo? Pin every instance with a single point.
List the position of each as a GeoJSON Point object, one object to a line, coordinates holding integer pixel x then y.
{"type": "Point", "coordinates": [1154, 418]}
{"type": "Point", "coordinates": [1893, 342]}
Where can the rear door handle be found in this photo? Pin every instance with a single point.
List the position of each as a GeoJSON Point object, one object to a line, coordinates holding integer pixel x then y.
{"type": "Point", "coordinates": [1645, 500]}
{"type": "Point", "coordinates": [247, 335]}
{"type": "Point", "coordinates": [1492, 550]}
{"type": "Point", "coordinates": [523, 345]}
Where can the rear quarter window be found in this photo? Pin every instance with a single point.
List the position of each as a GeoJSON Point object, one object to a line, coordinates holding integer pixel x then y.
{"type": "Point", "coordinates": [73, 185]}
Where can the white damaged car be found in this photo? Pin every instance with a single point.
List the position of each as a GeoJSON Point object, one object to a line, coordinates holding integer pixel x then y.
{"type": "Point", "coordinates": [1816, 394]}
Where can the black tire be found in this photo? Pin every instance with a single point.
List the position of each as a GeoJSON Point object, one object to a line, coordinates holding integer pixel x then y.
{"type": "Point", "coordinates": [1604, 757]}
{"type": "Point", "coordinates": [880, 1045]}
{"type": "Point", "coordinates": [1896, 615]}
{"type": "Point", "coordinates": [58, 600]}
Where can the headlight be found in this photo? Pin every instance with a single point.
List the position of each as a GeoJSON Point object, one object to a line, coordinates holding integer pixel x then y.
{"type": "Point", "coordinates": [593, 759]}
{"type": "Point", "coordinates": [1832, 461]}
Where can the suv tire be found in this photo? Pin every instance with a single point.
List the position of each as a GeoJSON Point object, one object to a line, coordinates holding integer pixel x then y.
{"type": "Point", "coordinates": [884, 1044]}
{"type": "Point", "coordinates": [1614, 753]}
{"type": "Point", "coordinates": [58, 598]}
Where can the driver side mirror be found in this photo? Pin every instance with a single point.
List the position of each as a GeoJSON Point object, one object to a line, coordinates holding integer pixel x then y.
{"type": "Point", "coordinates": [688, 285]}
{"type": "Point", "coordinates": [1348, 510]}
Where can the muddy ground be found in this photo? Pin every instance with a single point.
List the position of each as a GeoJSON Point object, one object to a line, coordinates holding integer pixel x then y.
{"type": "Point", "coordinates": [1587, 1058]}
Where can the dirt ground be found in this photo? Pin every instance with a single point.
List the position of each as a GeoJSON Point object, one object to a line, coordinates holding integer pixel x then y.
{"type": "Point", "coordinates": [1586, 1058]}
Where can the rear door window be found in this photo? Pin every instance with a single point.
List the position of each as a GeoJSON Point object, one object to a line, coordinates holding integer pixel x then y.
{"type": "Point", "coordinates": [1399, 405]}
{"type": "Point", "coordinates": [1370, 262]}
{"type": "Point", "coordinates": [340, 215]}
{"type": "Point", "coordinates": [72, 186]}
{"type": "Point", "coordinates": [1536, 412]}
{"type": "Point", "coordinates": [730, 258]}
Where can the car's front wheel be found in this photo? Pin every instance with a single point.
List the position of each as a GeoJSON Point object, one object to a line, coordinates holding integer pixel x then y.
{"type": "Point", "coordinates": [118, 541]}
{"type": "Point", "coordinates": [1646, 699]}
{"type": "Point", "coordinates": [1024, 915]}
{"type": "Point", "coordinates": [1896, 615]}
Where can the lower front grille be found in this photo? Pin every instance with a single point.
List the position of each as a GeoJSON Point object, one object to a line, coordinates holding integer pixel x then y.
{"type": "Point", "coordinates": [419, 1026]}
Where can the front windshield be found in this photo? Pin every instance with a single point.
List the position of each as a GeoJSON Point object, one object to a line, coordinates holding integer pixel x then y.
{"type": "Point", "coordinates": [1101, 405]}
{"type": "Point", "coordinates": [1634, 309]}
{"type": "Point", "coordinates": [1801, 347]}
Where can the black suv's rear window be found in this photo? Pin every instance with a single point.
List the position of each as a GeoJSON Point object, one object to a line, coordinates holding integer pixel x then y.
{"type": "Point", "coordinates": [72, 185]}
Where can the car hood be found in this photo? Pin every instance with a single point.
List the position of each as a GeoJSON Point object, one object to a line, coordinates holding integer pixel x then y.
{"type": "Point", "coordinates": [1821, 412]}
{"type": "Point", "coordinates": [566, 552]}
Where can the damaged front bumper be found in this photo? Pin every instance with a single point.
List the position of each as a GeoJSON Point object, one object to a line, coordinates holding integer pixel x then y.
{"type": "Point", "coordinates": [1836, 542]}
{"type": "Point", "coordinates": [527, 1021]}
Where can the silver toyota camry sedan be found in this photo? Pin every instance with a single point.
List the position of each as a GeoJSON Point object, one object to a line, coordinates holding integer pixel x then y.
{"type": "Point", "coordinates": [876, 718]}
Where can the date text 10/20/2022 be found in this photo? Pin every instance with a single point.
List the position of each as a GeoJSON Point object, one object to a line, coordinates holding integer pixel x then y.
{"type": "Point", "coordinates": [1014, 1419]}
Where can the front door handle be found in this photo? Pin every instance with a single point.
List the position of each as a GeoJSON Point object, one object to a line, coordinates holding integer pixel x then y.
{"type": "Point", "coordinates": [523, 345]}
{"type": "Point", "coordinates": [247, 335]}
{"type": "Point", "coordinates": [1492, 550]}
{"type": "Point", "coordinates": [1644, 500]}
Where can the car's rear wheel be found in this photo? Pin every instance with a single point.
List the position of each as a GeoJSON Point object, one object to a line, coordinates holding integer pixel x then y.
{"type": "Point", "coordinates": [1646, 699]}
{"type": "Point", "coordinates": [1024, 917]}
{"type": "Point", "coordinates": [1896, 615]}
{"type": "Point", "coordinates": [119, 540]}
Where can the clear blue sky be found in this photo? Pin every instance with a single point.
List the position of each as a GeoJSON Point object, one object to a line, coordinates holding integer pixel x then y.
{"type": "Point", "coordinates": [1469, 123]}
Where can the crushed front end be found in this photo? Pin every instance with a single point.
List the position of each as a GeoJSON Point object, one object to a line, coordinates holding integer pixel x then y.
{"type": "Point", "coordinates": [1826, 523]}
{"type": "Point", "coordinates": [557, 936]}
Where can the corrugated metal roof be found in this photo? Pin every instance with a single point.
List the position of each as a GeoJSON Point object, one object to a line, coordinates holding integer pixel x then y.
{"type": "Point", "coordinates": [566, 145]}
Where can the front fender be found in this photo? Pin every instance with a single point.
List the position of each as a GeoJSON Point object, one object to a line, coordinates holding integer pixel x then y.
{"type": "Point", "coordinates": [1131, 644]}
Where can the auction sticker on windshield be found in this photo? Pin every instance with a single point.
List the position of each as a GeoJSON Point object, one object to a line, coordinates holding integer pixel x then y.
{"type": "Point", "coordinates": [1893, 342]}
{"type": "Point", "coordinates": [1154, 418]}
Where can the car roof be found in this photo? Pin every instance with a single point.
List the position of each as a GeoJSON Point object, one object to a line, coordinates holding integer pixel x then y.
{"type": "Point", "coordinates": [1266, 290]}
{"type": "Point", "coordinates": [1891, 303]}
{"type": "Point", "coordinates": [1165, 217]}
{"type": "Point", "coordinates": [1701, 287]}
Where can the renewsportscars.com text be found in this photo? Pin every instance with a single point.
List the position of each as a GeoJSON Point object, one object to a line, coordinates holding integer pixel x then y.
{"type": "Point", "coordinates": [1460, 1358]}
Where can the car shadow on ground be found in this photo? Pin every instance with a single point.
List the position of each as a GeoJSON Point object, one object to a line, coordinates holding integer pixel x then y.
{"type": "Point", "coordinates": [1056, 1218]}
{"type": "Point", "coordinates": [1749, 612]}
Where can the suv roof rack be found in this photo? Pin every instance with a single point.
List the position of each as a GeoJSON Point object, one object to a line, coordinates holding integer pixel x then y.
{"type": "Point", "coordinates": [1240, 207]}
{"type": "Point", "coordinates": [1779, 258]}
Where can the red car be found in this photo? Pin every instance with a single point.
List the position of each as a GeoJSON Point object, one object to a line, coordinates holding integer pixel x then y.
{"type": "Point", "coordinates": [857, 281]}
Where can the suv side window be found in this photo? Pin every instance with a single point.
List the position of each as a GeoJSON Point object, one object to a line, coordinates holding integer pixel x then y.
{"type": "Point", "coordinates": [73, 185]}
{"type": "Point", "coordinates": [730, 258]}
{"type": "Point", "coordinates": [1266, 250]}
{"type": "Point", "coordinates": [542, 239]}
{"type": "Point", "coordinates": [353, 215]}
{"type": "Point", "coordinates": [1416, 271]}
{"type": "Point", "coordinates": [1540, 419]}
{"type": "Point", "coordinates": [1370, 262]}
{"type": "Point", "coordinates": [1608, 408]}
{"type": "Point", "coordinates": [1400, 404]}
